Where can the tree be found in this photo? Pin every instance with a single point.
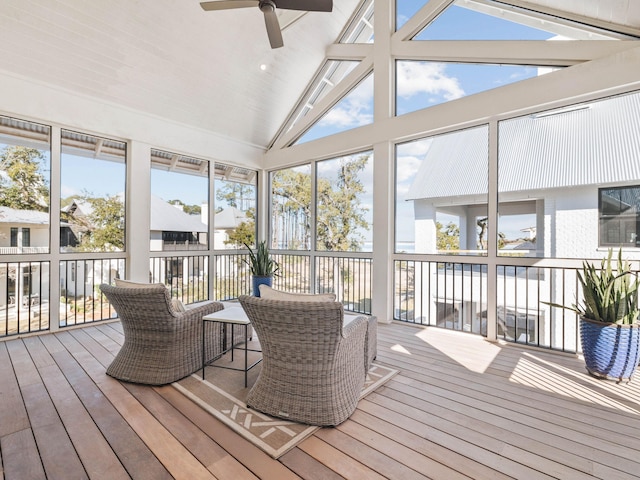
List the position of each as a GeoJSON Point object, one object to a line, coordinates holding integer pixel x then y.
{"type": "Point", "coordinates": [106, 225]}
{"type": "Point", "coordinates": [188, 209]}
{"type": "Point", "coordinates": [22, 184]}
{"type": "Point", "coordinates": [482, 224]}
{"type": "Point", "coordinates": [448, 237]}
{"type": "Point", "coordinates": [291, 204]}
{"type": "Point", "coordinates": [341, 217]}
{"type": "Point", "coordinates": [238, 195]}
{"type": "Point", "coordinates": [245, 233]}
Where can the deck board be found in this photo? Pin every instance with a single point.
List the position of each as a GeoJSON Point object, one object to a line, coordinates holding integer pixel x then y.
{"type": "Point", "coordinates": [461, 407]}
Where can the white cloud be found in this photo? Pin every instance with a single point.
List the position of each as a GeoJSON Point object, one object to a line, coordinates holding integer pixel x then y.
{"type": "Point", "coordinates": [415, 148]}
{"type": "Point", "coordinates": [426, 77]}
{"type": "Point", "coordinates": [354, 110]}
{"type": "Point", "coordinates": [67, 191]}
{"type": "Point", "coordinates": [407, 169]}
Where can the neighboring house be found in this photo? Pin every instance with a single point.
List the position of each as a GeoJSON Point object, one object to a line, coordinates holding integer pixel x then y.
{"type": "Point", "coordinates": [74, 224]}
{"type": "Point", "coordinates": [225, 222]}
{"type": "Point", "coordinates": [173, 229]}
{"type": "Point", "coordinates": [583, 192]}
{"type": "Point", "coordinates": [23, 232]}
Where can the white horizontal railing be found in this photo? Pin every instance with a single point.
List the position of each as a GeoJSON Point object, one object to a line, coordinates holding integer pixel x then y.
{"type": "Point", "coordinates": [22, 250]}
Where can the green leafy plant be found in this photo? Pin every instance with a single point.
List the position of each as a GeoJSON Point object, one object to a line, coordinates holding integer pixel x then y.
{"type": "Point", "coordinates": [610, 294]}
{"type": "Point", "coordinates": [260, 262]}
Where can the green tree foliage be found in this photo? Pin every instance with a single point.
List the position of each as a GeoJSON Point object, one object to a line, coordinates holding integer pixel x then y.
{"type": "Point", "coordinates": [22, 184]}
{"type": "Point", "coordinates": [188, 209]}
{"type": "Point", "coordinates": [448, 237]}
{"type": "Point", "coordinates": [241, 196]}
{"type": "Point", "coordinates": [106, 225]}
{"type": "Point", "coordinates": [341, 217]}
{"type": "Point", "coordinates": [245, 233]}
{"type": "Point", "coordinates": [291, 196]}
{"type": "Point", "coordinates": [238, 195]}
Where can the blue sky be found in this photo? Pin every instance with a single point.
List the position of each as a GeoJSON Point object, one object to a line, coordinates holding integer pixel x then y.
{"type": "Point", "coordinates": [421, 84]}
{"type": "Point", "coordinates": [101, 178]}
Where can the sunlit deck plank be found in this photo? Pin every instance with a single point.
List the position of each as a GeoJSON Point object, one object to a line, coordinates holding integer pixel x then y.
{"type": "Point", "coordinates": [171, 453]}
{"type": "Point", "coordinates": [461, 407]}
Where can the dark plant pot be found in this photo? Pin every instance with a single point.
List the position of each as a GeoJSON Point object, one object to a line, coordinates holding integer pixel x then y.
{"type": "Point", "coordinates": [261, 280]}
{"type": "Point", "coordinates": [610, 350]}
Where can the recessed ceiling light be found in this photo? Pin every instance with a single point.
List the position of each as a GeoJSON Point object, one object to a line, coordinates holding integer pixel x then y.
{"type": "Point", "coordinates": [263, 67]}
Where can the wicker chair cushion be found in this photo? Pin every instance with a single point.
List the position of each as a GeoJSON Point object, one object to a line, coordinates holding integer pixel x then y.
{"type": "Point", "coordinates": [269, 293]}
{"type": "Point", "coordinates": [129, 284]}
{"type": "Point", "coordinates": [176, 303]}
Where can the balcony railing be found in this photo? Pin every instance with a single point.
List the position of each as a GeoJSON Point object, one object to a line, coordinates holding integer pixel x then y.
{"type": "Point", "coordinates": [451, 295]}
{"type": "Point", "coordinates": [295, 273]}
{"type": "Point", "coordinates": [22, 250]}
{"type": "Point", "coordinates": [348, 277]}
{"type": "Point", "coordinates": [454, 296]}
{"type": "Point", "coordinates": [523, 313]}
{"type": "Point", "coordinates": [81, 300]}
{"type": "Point", "coordinates": [183, 246]}
{"type": "Point", "coordinates": [232, 277]}
{"type": "Point", "coordinates": [187, 276]}
{"type": "Point", "coordinates": [445, 294]}
{"type": "Point", "coordinates": [24, 297]}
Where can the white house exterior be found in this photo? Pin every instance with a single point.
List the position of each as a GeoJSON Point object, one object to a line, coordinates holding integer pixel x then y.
{"type": "Point", "coordinates": [553, 165]}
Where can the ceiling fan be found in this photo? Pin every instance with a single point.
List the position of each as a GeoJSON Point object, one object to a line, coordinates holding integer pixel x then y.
{"type": "Point", "coordinates": [268, 8]}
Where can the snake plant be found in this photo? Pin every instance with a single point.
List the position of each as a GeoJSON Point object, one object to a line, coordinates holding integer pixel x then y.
{"type": "Point", "coordinates": [260, 262]}
{"type": "Point", "coordinates": [610, 294]}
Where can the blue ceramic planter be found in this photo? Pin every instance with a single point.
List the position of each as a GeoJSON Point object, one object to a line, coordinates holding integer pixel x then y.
{"type": "Point", "coordinates": [610, 351]}
{"type": "Point", "coordinates": [260, 280]}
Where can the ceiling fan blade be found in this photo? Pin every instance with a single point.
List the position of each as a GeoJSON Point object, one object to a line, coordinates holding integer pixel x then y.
{"type": "Point", "coordinates": [273, 29]}
{"type": "Point", "coordinates": [227, 4]}
{"type": "Point", "coordinates": [308, 5]}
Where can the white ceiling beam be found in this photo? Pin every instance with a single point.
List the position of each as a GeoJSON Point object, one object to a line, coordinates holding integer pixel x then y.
{"type": "Point", "coordinates": [519, 52]}
{"type": "Point", "coordinates": [561, 88]}
{"type": "Point", "coordinates": [327, 102]}
{"type": "Point", "coordinates": [425, 15]}
{"type": "Point", "coordinates": [349, 51]}
{"type": "Point", "coordinates": [596, 22]}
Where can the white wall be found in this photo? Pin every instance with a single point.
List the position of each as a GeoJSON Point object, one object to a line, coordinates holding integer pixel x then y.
{"type": "Point", "coordinates": [26, 99]}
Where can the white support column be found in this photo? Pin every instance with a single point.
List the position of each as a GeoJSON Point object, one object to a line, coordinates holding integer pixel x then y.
{"type": "Point", "coordinates": [54, 232]}
{"type": "Point", "coordinates": [383, 162]}
{"type": "Point", "coordinates": [492, 233]}
{"type": "Point", "coordinates": [383, 233]}
{"type": "Point", "coordinates": [138, 219]}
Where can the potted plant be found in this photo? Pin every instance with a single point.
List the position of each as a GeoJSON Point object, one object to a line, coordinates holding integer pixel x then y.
{"type": "Point", "coordinates": [609, 329]}
{"type": "Point", "coordinates": [263, 267]}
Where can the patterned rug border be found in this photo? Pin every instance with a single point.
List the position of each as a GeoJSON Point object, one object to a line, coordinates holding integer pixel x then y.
{"type": "Point", "coordinates": [241, 407]}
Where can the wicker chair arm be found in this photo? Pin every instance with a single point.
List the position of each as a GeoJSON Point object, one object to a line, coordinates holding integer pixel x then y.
{"type": "Point", "coordinates": [201, 310]}
{"type": "Point", "coordinates": [352, 326]}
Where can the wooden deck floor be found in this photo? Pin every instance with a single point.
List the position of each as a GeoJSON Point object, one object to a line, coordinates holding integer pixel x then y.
{"type": "Point", "coordinates": [461, 407]}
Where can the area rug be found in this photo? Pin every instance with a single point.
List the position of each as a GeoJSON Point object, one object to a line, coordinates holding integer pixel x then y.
{"type": "Point", "coordinates": [223, 395]}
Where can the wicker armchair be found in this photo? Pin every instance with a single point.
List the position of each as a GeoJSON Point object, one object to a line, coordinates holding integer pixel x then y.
{"type": "Point", "coordinates": [161, 345]}
{"type": "Point", "coordinates": [312, 369]}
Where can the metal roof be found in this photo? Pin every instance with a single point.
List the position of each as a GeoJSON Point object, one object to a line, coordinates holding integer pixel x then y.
{"type": "Point", "coordinates": [588, 144]}
{"type": "Point", "coordinates": [14, 216]}
{"type": "Point", "coordinates": [455, 164]}
{"type": "Point", "coordinates": [167, 218]}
